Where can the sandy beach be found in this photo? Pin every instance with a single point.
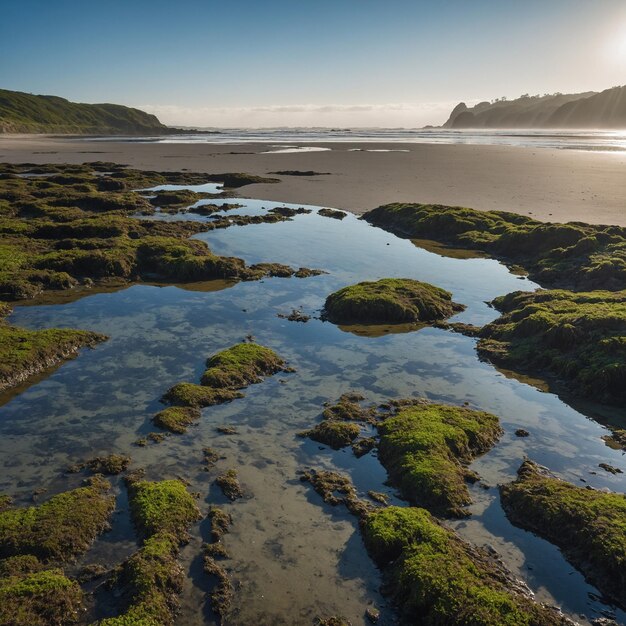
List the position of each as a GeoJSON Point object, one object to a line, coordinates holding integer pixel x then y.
{"type": "Point", "coordinates": [550, 185]}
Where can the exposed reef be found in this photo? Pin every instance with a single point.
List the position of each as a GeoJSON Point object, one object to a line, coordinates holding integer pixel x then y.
{"type": "Point", "coordinates": [432, 573]}
{"type": "Point", "coordinates": [177, 418]}
{"type": "Point", "coordinates": [337, 215]}
{"type": "Point", "coordinates": [390, 300]}
{"type": "Point", "coordinates": [588, 525]}
{"type": "Point", "coordinates": [228, 482]}
{"type": "Point", "coordinates": [60, 528]}
{"type": "Point", "coordinates": [571, 256]}
{"type": "Point", "coordinates": [426, 448]}
{"type": "Point", "coordinates": [241, 365]}
{"type": "Point", "coordinates": [151, 579]}
{"type": "Point", "coordinates": [75, 224]}
{"type": "Point", "coordinates": [222, 594]}
{"type": "Point", "coordinates": [579, 337]}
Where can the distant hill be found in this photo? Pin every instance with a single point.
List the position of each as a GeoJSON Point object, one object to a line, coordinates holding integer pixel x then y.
{"type": "Point", "coordinates": [606, 109]}
{"type": "Point", "coordinates": [26, 113]}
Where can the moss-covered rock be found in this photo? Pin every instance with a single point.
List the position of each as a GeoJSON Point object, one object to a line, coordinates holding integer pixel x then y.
{"type": "Point", "coordinates": [24, 353]}
{"type": "Point", "coordinates": [162, 507]}
{"type": "Point", "coordinates": [337, 215]}
{"type": "Point", "coordinates": [333, 433]}
{"type": "Point", "coordinates": [571, 256]}
{"type": "Point", "coordinates": [151, 579]}
{"type": "Point", "coordinates": [426, 449]}
{"type": "Point", "coordinates": [579, 337]}
{"type": "Point", "coordinates": [41, 598]}
{"type": "Point", "coordinates": [241, 365]}
{"type": "Point", "coordinates": [390, 300]}
{"type": "Point", "coordinates": [176, 419]}
{"type": "Point", "coordinates": [588, 525]}
{"type": "Point", "coordinates": [228, 482]}
{"type": "Point", "coordinates": [190, 395]}
{"type": "Point", "coordinates": [435, 575]}
{"type": "Point", "coordinates": [62, 527]}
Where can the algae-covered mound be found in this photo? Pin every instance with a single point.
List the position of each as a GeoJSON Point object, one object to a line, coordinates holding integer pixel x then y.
{"type": "Point", "coordinates": [162, 507]}
{"type": "Point", "coordinates": [227, 371]}
{"type": "Point", "coordinates": [63, 225]}
{"type": "Point", "coordinates": [241, 365]}
{"type": "Point", "coordinates": [588, 525]}
{"type": "Point", "coordinates": [435, 575]}
{"type": "Point", "coordinates": [333, 433]}
{"type": "Point", "coordinates": [572, 256]}
{"type": "Point", "coordinates": [62, 527]}
{"type": "Point", "coordinates": [24, 353]}
{"type": "Point", "coordinates": [426, 448]}
{"type": "Point", "coordinates": [176, 418]}
{"type": "Point", "coordinates": [580, 337]}
{"type": "Point", "coordinates": [390, 300]}
{"type": "Point", "coordinates": [151, 579]}
{"type": "Point", "coordinates": [39, 598]}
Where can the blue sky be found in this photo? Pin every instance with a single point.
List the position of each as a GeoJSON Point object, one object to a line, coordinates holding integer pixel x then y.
{"type": "Point", "coordinates": [275, 62]}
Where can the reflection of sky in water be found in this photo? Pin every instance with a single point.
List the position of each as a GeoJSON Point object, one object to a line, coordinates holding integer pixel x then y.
{"type": "Point", "coordinates": [293, 559]}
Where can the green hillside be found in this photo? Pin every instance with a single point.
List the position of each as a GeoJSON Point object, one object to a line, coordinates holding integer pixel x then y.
{"type": "Point", "coordinates": [27, 113]}
{"type": "Point", "coordinates": [582, 110]}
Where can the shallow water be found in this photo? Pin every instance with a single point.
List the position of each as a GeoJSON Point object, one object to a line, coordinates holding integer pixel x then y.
{"type": "Point", "coordinates": [293, 558]}
{"type": "Point", "coordinates": [596, 140]}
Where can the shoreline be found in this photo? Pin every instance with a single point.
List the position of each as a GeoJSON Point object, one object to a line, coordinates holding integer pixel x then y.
{"type": "Point", "coordinates": [547, 184]}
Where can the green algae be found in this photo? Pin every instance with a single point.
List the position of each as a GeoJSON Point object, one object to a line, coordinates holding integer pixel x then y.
{"type": "Point", "coordinates": [434, 574]}
{"type": "Point", "coordinates": [152, 579]}
{"type": "Point", "coordinates": [162, 507]}
{"type": "Point", "coordinates": [333, 433]}
{"type": "Point", "coordinates": [426, 449]}
{"type": "Point", "coordinates": [572, 256]}
{"type": "Point", "coordinates": [111, 464]}
{"type": "Point", "coordinates": [191, 395]}
{"type": "Point", "coordinates": [40, 598]}
{"type": "Point", "coordinates": [176, 419]}
{"type": "Point", "coordinates": [390, 300]}
{"type": "Point", "coordinates": [241, 365]}
{"type": "Point", "coordinates": [588, 525]}
{"type": "Point", "coordinates": [579, 337]}
{"type": "Point", "coordinates": [24, 353]}
{"type": "Point", "coordinates": [62, 527]}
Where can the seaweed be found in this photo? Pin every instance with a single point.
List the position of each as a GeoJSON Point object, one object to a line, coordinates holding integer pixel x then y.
{"type": "Point", "coordinates": [390, 300]}
{"type": "Point", "coordinates": [588, 525]}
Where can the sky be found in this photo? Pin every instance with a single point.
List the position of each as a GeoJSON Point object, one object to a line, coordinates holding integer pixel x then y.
{"type": "Point", "coordinates": [391, 63]}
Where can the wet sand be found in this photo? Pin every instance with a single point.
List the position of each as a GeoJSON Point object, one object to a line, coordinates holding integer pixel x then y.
{"type": "Point", "coordinates": [550, 185]}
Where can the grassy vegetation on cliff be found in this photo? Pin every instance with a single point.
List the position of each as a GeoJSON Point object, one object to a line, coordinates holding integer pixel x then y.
{"type": "Point", "coordinates": [426, 447]}
{"type": "Point", "coordinates": [435, 575]}
{"type": "Point", "coordinates": [390, 300]}
{"type": "Point", "coordinates": [580, 337]}
{"type": "Point", "coordinates": [151, 579]}
{"type": "Point", "coordinates": [59, 529]}
{"type": "Point", "coordinates": [573, 256]}
{"type": "Point", "coordinates": [27, 113]}
{"type": "Point", "coordinates": [588, 525]}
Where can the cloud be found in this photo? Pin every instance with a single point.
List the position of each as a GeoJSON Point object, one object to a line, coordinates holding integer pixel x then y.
{"type": "Point", "coordinates": [353, 115]}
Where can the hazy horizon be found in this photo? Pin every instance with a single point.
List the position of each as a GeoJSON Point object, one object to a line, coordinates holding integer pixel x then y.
{"type": "Point", "coordinates": [276, 64]}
